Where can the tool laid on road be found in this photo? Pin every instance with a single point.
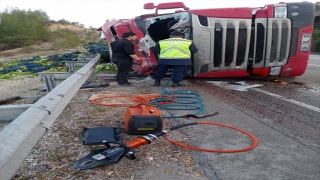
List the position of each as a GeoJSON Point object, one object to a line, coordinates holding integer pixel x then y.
{"type": "Point", "coordinates": [116, 149]}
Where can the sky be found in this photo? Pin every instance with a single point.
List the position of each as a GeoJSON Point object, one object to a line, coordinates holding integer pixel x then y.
{"type": "Point", "coordinates": [95, 12]}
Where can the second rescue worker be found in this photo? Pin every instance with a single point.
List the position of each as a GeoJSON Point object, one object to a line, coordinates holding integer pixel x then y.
{"type": "Point", "coordinates": [174, 53]}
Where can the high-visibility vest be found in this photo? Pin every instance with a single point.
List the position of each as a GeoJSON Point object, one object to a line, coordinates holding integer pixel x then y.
{"type": "Point", "coordinates": [175, 48]}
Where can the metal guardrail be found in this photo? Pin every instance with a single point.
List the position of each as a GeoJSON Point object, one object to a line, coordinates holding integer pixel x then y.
{"type": "Point", "coordinates": [19, 137]}
{"type": "Point", "coordinates": [11, 112]}
{"type": "Point", "coordinates": [50, 77]}
{"type": "Point", "coordinates": [73, 64]}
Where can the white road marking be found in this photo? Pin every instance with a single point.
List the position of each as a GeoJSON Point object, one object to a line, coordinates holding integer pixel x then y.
{"type": "Point", "coordinates": [289, 100]}
{"type": "Point", "coordinates": [313, 65]}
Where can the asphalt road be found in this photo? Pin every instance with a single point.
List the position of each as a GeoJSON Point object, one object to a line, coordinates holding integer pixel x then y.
{"type": "Point", "coordinates": [307, 92]}
{"type": "Point", "coordinates": [312, 74]}
{"type": "Point", "coordinates": [288, 137]}
{"type": "Point", "coordinates": [287, 128]}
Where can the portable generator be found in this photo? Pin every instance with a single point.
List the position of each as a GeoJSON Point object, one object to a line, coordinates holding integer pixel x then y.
{"type": "Point", "coordinates": [143, 119]}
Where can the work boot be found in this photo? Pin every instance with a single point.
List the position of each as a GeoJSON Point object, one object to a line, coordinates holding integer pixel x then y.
{"type": "Point", "coordinates": [156, 82]}
{"type": "Point", "coordinates": [177, 84]}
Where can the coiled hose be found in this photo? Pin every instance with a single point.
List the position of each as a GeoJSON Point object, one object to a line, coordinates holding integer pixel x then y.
{"type": "Point", "coordinates": [253, 145]}
{"type": "Point", "coordinates": [185, 100]}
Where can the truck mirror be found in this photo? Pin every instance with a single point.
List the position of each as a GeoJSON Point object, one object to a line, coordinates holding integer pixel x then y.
{"type": "Point", "coordinates": [148, 6]}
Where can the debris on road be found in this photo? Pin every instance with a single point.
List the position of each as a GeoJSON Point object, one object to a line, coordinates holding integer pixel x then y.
{"type": "Point", "coordinates": [280, 82]}
{"type": "Point", "coordinates": [238, 86]}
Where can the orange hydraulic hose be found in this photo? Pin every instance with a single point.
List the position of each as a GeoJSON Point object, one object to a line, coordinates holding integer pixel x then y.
{"type": "Point", "coordinates": [134, 99]}
{"type": "Point", "coordinates": [140, 99]}
{"type": "Point", "coordinates": [254, 144]}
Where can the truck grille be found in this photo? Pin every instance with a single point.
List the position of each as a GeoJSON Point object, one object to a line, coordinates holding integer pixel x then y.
{"type": "Point", "coordinates": [234, 44]}
{"type": "Point", "coordinates": [276, 41]}
{"type": "Point", "coordinates": [231, 43]}
{"type": "Point", "coordinates": [260, 42]}
{"type": "Point", "coordinates": [223, 43]}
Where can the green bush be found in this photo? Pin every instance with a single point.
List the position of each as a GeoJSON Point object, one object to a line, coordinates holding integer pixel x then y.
{"type": "Point", "coordinates": [315, 47]}
{"type": "Point", "coordinates": [22, 28]}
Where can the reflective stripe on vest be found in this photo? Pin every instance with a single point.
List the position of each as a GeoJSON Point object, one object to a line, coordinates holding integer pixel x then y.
{"type": "Point", "coordinates": [175, 48]}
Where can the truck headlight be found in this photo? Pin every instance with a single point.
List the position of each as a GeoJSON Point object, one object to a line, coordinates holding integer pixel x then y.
{"type": "Point", "coordinates": [280, 12]}
{"type": "Point", "coordinates": [274, 71]}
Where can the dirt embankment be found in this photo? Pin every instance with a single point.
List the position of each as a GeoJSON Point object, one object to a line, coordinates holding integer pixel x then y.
{"type": "Point", "coordinates": [45, 48]}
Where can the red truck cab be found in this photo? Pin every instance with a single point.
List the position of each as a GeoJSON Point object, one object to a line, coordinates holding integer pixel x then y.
{"type": "Point", "coordinates": [233, 42]}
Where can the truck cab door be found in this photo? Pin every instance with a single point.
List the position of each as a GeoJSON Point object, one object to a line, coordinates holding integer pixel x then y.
{"type": "Point", "coordinates": [109, 33]}
{"type": "Point", "coordinates": [108, 30]}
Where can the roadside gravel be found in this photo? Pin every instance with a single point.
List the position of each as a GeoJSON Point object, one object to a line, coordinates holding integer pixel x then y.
{"type": "Point", "coordinates": [21, 86]}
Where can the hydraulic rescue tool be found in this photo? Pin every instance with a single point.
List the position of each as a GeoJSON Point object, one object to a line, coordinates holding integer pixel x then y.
{"type": "Point", "coordinates": [116, 149]}
{"type": "Point", "coordinates": [143, 119]}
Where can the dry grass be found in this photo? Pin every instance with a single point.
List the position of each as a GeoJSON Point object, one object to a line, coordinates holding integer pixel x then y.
{"type": "Point", "coordinates": [43, 49]}
{"type": "Point", "coordinates": [47, 48]}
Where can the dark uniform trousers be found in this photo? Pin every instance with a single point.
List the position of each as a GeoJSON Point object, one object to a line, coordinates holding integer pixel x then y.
{"type": "Point", "coordinates": [124, 67]}
{"type": "Point", "coordinates": [162, 69]}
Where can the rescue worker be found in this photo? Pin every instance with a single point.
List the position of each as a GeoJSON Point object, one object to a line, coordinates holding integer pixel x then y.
{"type": "Point", "coordinates": [175, 53]}
{"type": "Point", "coordinates": [122, 55]}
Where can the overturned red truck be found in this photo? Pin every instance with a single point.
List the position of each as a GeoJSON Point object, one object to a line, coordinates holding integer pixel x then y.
{"type": "Point", "coordinates": [233, 42]}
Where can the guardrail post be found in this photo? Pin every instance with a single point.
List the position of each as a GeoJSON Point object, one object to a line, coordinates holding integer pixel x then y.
{"type": "Point", "coordinates": [49, 81]}
{"type": "Point", "coordinates": [50, 77]}
{"type": "Point", "coordinates": [71, 65]}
